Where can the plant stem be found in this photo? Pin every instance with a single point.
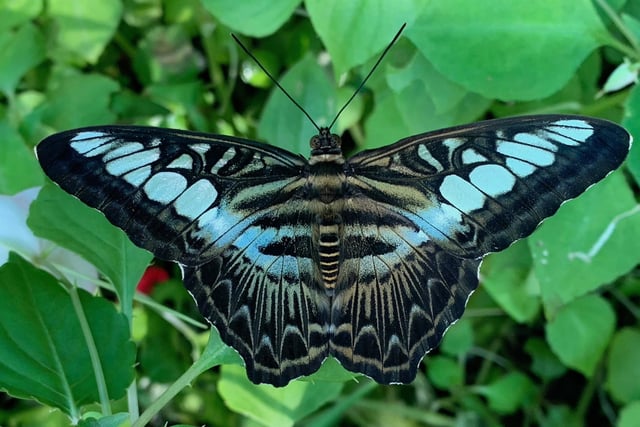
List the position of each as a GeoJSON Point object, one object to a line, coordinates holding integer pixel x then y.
{"type": "Point", "coordinates": [93, 351]}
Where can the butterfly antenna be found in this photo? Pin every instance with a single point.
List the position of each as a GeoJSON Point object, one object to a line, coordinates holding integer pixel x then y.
{"type": "Point", "coordinates": [382, 55]}
{"type": "Point", "coordinates": [274, 80]}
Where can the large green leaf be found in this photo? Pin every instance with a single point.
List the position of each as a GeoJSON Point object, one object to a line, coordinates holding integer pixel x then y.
{"type": "Point", "coordinates": [66, 109]}
{"type": "Point", "coordinates": [508, 278]}
{"type": "Point", "coordinates": [510, 50]}
{"type": "Point", "coordinates": [586, 244]}
{"type": "Point", "coordinates": [410, 111]}
{"type": "Point", "coordinates": [17, 12]}
{"type": "Point", "coordinates": [270, 406]}
{"type": "Point", "coordinates": [444, 93]}
{"type": "Point", "coordinates": [581, 331]}
{"type": "Point", "coordinates": [19, 52]}
{"type": "Point", "coordinates": [84, 28]}
{"type": "Point", "coordinates": [19, 169]}
{"type": "Point", "coordinates": [257, 18]}
{"type": "Point", "coordinates": [44, 352]}
{"type": "Point", "coordinates": [509, 392]}
{"type": "Point", "coordinates": [354, 31]}
{"type": "Point", "coordinates": [623, 369]}
{"type": "Point", "coordinates": [65, 220]}
{"type": "Point", "coordinates": [632, 124]}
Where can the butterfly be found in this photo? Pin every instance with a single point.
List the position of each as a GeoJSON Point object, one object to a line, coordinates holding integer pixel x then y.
{"type": "Point", "coordinates": [368, 259]}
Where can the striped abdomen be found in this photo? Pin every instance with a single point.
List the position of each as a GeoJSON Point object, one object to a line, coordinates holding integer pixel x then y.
{"type": "Point", "coordinates": [329, 251]}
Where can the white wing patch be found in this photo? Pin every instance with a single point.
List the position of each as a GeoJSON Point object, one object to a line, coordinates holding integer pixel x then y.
{"type": "Point", "coordinates": [570, 132]}
{"type": "Point", "coordinates": [535, 141]}
{"type": "Point", "coordinates": [493, 180]}
{"type": "Point", "coordinates": [538, 156]}
{"type": "Point", "coordinates": [424, 154]}
{"type": "Point", "coordinates": [122, 165]}
{"type": "Point", "coordinates": [196, 199]}
{"type": "Point", "coordinates": [226, 157]}
{"type": "Point", "coordinates": [123, 149]}
{"type": "Point", "coordinates": [164, 187]}
{"type": "Point", "coordinates": [183, 162]}
{"type": "Point", "coordinates": [470, 156]}
{"type": "Point", "coordinates": [461, 194]}
{"type": "Point", "coordinates": [520, 168]}
{"type": "Point", "coordinates": [139, 176]}
{"type": "Point", "coordinates": [85, 142]}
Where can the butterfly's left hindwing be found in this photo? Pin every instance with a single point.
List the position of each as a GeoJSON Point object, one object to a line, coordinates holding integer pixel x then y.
{"type": "Point", "coordinates": [263, 295]}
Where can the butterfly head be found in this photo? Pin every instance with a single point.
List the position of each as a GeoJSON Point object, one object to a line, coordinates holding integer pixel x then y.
{"type": "Point", "coordinates": [325, 142]}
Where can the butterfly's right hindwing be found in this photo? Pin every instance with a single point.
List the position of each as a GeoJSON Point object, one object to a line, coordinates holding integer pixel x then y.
{"type": "Point", "coordinates": [177, 194]}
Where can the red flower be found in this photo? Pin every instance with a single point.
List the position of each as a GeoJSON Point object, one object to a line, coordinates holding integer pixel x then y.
{"type": "Point", "coordinates": [151, 277]}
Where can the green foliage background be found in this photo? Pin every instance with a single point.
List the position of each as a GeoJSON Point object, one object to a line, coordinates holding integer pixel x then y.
{"type": "Point", "coordinates": [552, 337]}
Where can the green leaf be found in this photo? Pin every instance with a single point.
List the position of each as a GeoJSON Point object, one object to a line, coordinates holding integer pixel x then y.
{"type": "Point", "coordinates": [507, 278]}
{"type": "Point", "coordinates": [218, 353]}
{"type": "Point", "coordinates": [282, 124]}
{"type": "Point", "coordinates": [115, 420]}
{"type": "Point", "coordinates": [57, 216]}
{"type": "Point", "coordinates": [544, 363]}
{"type": "Point", "coordinates": [19, 169]}
{"type": "Point", "coordinates": [562, 416]}
{"type": "Point", "coordinates": [458, 340]}
{"type": "Point", "coordinates": [444, 94]}
{"type": "Point", "coordinates": [355, 31]}
{"type": "Point", "coordinates": [271, 406]}
{"type": "Point", "coordinates": [632, 124]}
{"type": "Point", "coordinates": [505, 49]}
{"type": "Point", "coordinates": [255, 18]}
{"type": "Point", "coordinates": [20, 51]}
{"type": "Point", "coordinates": [444, 372]}
{"type": "Point", "coordinates": [411, 111]}
{"type": "Point", "coordinates": [581, 331]}
{"type": "Point", "coordinates": [623, 369]}
{"type": "Point", "coordinates": [509, 392]}
{"type": "Point", "coordinates": [84, 28]}
{"type": "Point", "coordinates": [586, 244]}
{"type": "Point", "coordinates": [18, 12]}
{"type": "Point", "coordinates": [166, 55]}
{"type": "Point", "coordinates": [43, 352]}
{"type": "Point", "coordinates": [629, 415]}
{"type": "Point", "coordinates": [332, 371]}
{"type": "Point", "coordinates": [80, 100]}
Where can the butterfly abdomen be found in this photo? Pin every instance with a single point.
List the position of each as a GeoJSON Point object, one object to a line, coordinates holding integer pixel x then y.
{"type": "Point", "coordinates": [329, 251]}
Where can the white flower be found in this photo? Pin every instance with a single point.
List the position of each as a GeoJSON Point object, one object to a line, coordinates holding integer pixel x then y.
{"type": "Point", "coordinates": [16, 236]}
